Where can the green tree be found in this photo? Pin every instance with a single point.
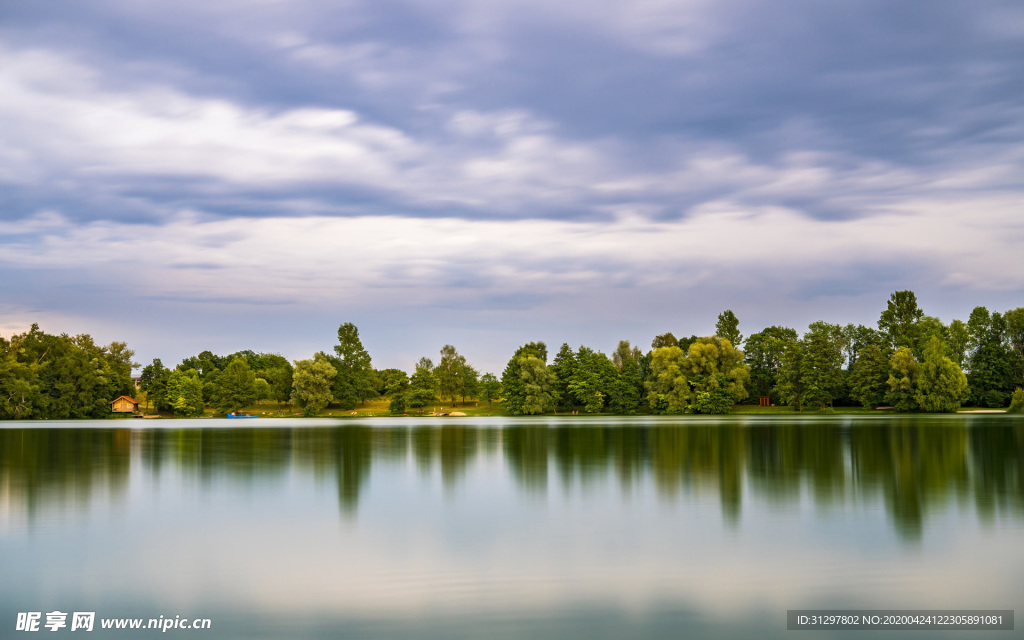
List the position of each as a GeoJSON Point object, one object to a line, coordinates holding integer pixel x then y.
{"type": "Point", "coordinates": [281, 383]}
{"type": "Point", "coordinates": [263, 390]}
{"type": "Point", "coordinates": [153, 381]}
{"type": "Point", "coordinates": [764, 351]}
{"type": "Point", "coordinates": [900, 318]}
{"type": "Point", "coordinates": [856, 338]}
{"type": "Point", "coordinates": [624, 353]}
{"type": "Point", "coordinates": [958, 343]}
{"type": "Point", "coordinates": [19, 386]}
{"type": "Point", "coordinates": [664, 340]}
{"type": "Point", "coordinates": [717, 375]}
{"type": "Point", "coordinates": [205, 364]}
{"type": "Point", "coordinates": [667, 388]}
{"type": "Point", "coordinates": [448, 371]}
{"type": "Point", "coordinates": [823, 363]}
{"type": "Point", "coordinates": [941, 385]}
{"type": "Point", "coordinates": [991, 361]}
{"type": "Point", "coordinates": [354, 380]}
{"type": "Point", "coordinates": [728, 327]}
{"type": "Point", "coordinates": [1015, 338]}
{"type": "Point", "coordinates": [490, 388]}
{"type": "Point", "coordinates": [870, 377]}
{"type": "Point", "coordinates": [423, 386]}
{"type": "Point", "coordinates": [397, 403]}
{"type": "Point", "coordinates": [564, 367]}
{"type": "Point", "coordinates": [790, 385]}
{"type": "Point", "coordinates": [538, 386]}
{"type": "Point", "coordinates": [395, 381]}
{"type": "Point", "coordinates": [627, 394]}
{"type": "Point", "coordinates": [902, 381]}
{"type": "Point", "coordinates": [236, 387]}
{"type": "Point", "coordinates": [527, 384]}
{"type": "Point", "coordinates": [927, 328]}
{"type": "Point", "coordinates": [467, 381]}
{"type": "Point", "coordinates": [312, 382]}
{"type": "Point", "coordinates": [185, 393]}
{"type": "Point", "coordinates": [395, 388]}
{"type": "Point", "coordinates": [593, 379]}
{"type": "Point", "coordinates": [709, 378]}
{"type": "Point", "coordinates": [1017, 401]}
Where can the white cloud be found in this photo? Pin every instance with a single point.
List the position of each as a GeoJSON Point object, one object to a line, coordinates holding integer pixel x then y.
{"type": "Point", "coordinates": [413, 260]}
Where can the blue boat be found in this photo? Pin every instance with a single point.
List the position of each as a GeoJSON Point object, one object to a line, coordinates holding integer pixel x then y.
{"type": "Point", "coordinates": [232, 415]}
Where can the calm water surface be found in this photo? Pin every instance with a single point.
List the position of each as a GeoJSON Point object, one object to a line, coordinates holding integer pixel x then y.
{"type": "Point", "coordinates": [546, 528]}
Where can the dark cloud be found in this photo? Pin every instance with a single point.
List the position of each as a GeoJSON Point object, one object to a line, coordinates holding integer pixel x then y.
{"type": "Point", "coordinates": [740, 117]}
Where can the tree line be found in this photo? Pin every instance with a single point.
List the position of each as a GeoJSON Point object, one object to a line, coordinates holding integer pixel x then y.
{"type": "Point", "coordinates": [910, 362]}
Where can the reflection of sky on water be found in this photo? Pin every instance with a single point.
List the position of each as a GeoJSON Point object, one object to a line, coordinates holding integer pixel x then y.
{"type": "Point", "coordinates": [536, 521]}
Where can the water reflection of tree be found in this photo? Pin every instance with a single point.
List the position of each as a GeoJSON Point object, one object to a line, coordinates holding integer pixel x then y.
{"type": "Point", "coordinates": [58, 467]}
{"type": "Point", "coordinates": [913, 466]}
{"type": "Point", "coordinates": [526, 449]}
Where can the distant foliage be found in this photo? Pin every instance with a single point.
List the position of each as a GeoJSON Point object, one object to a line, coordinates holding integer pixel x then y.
{"type": "Point", "coordinates": [912, 361]}
{"type": "Point", "coordinates": [48, 376]}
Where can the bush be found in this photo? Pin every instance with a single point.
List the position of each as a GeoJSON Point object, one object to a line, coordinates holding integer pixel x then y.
{"type": "Point", "coordinates": [1017, 401]}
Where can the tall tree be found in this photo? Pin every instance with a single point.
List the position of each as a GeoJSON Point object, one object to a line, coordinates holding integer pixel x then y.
{"type": "Point", "coordinates": [624, 353]}
{"type": "Point", "coordinates": [354, 381]}
{"type": "Point", "coordinates": [593, 380]}
{"type": "Point", "coordinates": [764, 351]}
{"type": "Point", "coordinates": [728, 327]}
{"type": "Point", "coordinates": [448, 372]}
{"type": "Point", "coordinates": [153, 381]}
{"type": "Point", "coordinates": [856, 338]}
{"type": "Point", "coordinates": [823, 363]}
{"type": "Point", "coordinates": [1015, 338]}
{"type": "Point", "coordinates": [467, 381]}
{"type": "Point", "coordinates": [628, 392]}
{"type": "Point", "coordinates": [991, 376]}
{"type": "Point", "coordinates": [564, 367]}
{"type": "Point", "coordinates": [958, 343]}
{"type": "Point", "coordinates": [899, 320]}
{"type": "Point", "coordinates": [790, 385]}
{"type": "Point", "coordinates": [870, 376]}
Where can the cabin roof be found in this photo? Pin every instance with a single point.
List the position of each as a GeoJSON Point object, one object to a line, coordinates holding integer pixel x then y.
{"type": "Point", "coordinates": [128, 398]}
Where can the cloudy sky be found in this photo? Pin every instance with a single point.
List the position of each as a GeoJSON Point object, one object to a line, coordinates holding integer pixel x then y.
{"type": "Point", "coordinates": [224, 175]}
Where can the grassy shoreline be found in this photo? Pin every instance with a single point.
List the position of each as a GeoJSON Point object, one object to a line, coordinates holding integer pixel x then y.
{"type": "Point", "coordinates": [379, 408]}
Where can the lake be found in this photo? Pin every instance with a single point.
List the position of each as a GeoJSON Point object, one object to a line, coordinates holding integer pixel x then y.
{"type": "Point", "coordinates": [576, 527]}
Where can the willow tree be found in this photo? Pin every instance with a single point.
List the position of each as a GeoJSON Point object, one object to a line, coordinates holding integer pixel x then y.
{"type": "Point", "coordinates": [710, 377]}
{"type": "Point", "coordinates": [941, 385]}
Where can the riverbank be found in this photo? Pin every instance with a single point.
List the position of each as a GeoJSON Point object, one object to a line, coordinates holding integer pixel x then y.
{"type": "Point", "coordinates": [379, 408]}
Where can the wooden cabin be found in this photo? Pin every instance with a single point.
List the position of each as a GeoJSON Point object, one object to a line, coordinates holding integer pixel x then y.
{"type": "Point", "coordinates": [124, 404]}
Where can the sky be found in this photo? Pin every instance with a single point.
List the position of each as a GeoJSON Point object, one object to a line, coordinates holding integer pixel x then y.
{"type": "Point", "coordinates": [249, 175]}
